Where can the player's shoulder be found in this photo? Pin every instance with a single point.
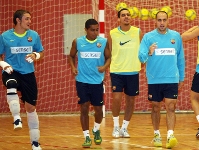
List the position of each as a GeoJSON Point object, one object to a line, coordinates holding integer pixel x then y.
{"type": "Point", "coordinates": [7, 32]}
{"type": "Point", "coordinates": [32, 32]}
{"type": "Point", "coordinates": [173, 32]}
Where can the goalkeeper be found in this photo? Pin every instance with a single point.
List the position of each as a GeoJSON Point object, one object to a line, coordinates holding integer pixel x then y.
{"type": "Point", "coordinates": [20, 47]}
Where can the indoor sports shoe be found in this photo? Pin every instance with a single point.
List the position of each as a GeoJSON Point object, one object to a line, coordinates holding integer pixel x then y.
{"type": "Point", "coordinates": [97, 137]}
{"type": "Point", "coordinates": [124, 133]}
{"type": "Point", "coordinates": [116, 132]}
{"type": "Point", "coordinates": [197, 134]}
{"type": "Point", "coordinates": [157, 140]}
{"type": "Point", "coordinates": [36, 146]}
{"type": "Point", "coordinates": [17, 124]}
{"type": "Point", "coordinates": [171, 142]}
{"type": "Point", "coordinates": [87, 143]}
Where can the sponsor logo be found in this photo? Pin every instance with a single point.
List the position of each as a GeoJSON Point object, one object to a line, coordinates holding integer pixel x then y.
{"type": "Point", "coordinates": [122, 43]}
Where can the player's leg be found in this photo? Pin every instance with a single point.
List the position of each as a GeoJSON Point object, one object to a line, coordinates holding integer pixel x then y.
{"type": "Point", "coordinates": [171, 93]}
{"type": "Point", "coordinates": [29, 94]}
{"type": "Point", "coordinates": [10, 82]}
{"type": "Point", "coordinates": [155, 97]}
{"type": "Point", "coordinates": [82, 92]}
{"type": "Point", "coordinates": [117, 89]}
{"type": "Point", "coordinates": [195, 98]}
{"type": "Point", "coordinates": [131, 89]}
{"type": "Point", "coordinates": [97, 102]}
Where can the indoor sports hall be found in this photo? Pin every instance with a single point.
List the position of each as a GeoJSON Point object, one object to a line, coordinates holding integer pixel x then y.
{"type": "Point", "coordinates": [58, 22]}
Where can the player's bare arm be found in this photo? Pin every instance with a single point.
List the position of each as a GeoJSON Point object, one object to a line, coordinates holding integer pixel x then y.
{"type": "Point", "coordinates": [72, 56]}
{"type": "Point", "coordinates": [190, 34]}
{"type": "Point", "coordinates": [107, 55]}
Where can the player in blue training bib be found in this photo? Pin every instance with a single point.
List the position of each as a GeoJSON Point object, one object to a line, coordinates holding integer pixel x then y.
{"type": "Point", "coordinates": [93, 59]}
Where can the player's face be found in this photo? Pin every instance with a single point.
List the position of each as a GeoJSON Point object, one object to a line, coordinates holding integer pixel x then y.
{"type": "Point", "coordinates": [162, 22]}
{"type": "Point", "coordinates": [25, 21]}
{"type": "Point", "coordinates": [92, 32]}
{"type": "Point", "coordinates": [125, 17]}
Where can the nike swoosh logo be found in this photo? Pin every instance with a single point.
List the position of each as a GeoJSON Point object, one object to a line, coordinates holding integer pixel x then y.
{"type": "Point", "coordinates": [124, 42]}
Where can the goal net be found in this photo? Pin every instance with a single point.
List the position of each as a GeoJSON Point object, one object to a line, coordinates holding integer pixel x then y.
{"type": "Point", "coordinates": [52, 19]}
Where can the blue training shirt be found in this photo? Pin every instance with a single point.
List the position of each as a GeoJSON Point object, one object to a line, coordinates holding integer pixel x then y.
{"type": "Point", "coordinates": [16, 48]}
{"type": "Point", "coordinates": [90, 57]}
{"type": "Point", "coordinates": [167, 64]}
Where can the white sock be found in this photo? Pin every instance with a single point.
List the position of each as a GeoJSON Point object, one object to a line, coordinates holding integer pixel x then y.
{"type": "Point", "coordinates": [157, 132]}
{"type": "Point", "coordinates": [86, 133]}
{"type": "Point", "coordinates": [169, 132]}
{"type": "Point", "coordinates": [197, 117]}
{"type": "Point", "coordinates": [116, 121]}
{"type": "Point", "coordinates": [125, 124]}
{"type": "Point", "coordinates": [96, 126]}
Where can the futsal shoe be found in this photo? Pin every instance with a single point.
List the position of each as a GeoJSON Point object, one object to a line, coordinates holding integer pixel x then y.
{"type": "Point", "coordinates": [171, 142]}
{"type": "Point", "coordinates": [116, 132]}
{"type": "Point", "coordinates": [36, 146]}
{"type": "Point", "coordinates": [97, 137]}
{"type": "Point", "coordinates": [17, 124]}
{"type": "Point", "coordinates": [124, 133]}
{"type": "Point", "coordinates": [87, 143]}
{"type": "Point", "coordinates": [157, 140]}
{"type": "Point", "coordinates": [197, 134]}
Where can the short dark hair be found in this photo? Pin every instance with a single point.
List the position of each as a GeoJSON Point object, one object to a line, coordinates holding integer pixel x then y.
{"type": "Point", "coordinates": [161, 11]}
{"type": "Point", "coordinates": [19, 14]}
{"type": "Point", "coordinates": [119, 12]}
{"type": "Point", "coordinates": [90, 22]}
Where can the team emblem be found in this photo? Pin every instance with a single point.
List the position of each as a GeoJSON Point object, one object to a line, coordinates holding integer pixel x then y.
{"type": "Point", "coordinates": [114, 87]}
{"type": "Point", "coordinates": [99, 45]}
{"type": "Point", "coordinates": [173, 41]}
{"type": "Point", "coordinates": [29, 39]}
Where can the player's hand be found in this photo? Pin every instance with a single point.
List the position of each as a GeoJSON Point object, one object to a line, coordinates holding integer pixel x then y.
{"type": "Point", "coordinates": [180, 85]}
{"type": "Point", "coordinates": [6, 67]}
{"type": "Point", "coordinates": [30, 57]}
{"type": "Point", "coordinates": [74, 71]}
{"type": "Point", "coordinates": [152, 48]}
{"type": "Point", "coordinates": [101, 69]}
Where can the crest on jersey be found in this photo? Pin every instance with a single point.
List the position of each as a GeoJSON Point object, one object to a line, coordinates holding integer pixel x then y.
{"type": "Point", "coordinates": [99, 45]}
{"type": "Point", "coordinates": [173, 41]}
{"type": "Point", "coordinates": [29, 39]}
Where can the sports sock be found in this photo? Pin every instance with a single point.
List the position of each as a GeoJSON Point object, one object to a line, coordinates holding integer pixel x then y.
{"type": "Point", "coordinates": [96, 126]}
{"type": "Point", "coordinates": [169, 132]}
{"type": "Point", "coordinates": [125, 124]}
{"type": "Point", "coordinates": [86, 133]}
{"type": "Point", "coordinates": [116, 121]}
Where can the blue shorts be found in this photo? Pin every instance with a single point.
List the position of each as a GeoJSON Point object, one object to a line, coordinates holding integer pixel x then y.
{"type": "Point", "coordinates": [157, 92]}
{"type": "Point", "coordinates": [90, 92]}
{"type": "Point", "coordinates": [26, 84]}
{"type": "Point", "coordinates": [127, 83]}
{"type": "Point", "coordinates": [195, 83]}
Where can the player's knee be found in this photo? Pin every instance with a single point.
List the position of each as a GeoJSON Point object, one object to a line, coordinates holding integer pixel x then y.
{"type": "Point", "coordinates": [14, 106]}
{"type": "Point", "coordinates": [11, 83]}
{"type": "Point", "coordinates": [34, 134]}
{"type": "Point", "coordinates": [33, 121]}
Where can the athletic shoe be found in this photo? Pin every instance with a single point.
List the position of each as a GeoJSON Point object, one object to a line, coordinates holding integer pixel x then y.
{"type": "Point", "coordinates": [97, 137]}
{"type": "Point", "coordinates": [171, 142]}
{"type": "Point", "coordinates": [87, 143]}
{"type": "Point", "coordinates": [116, 132]}
{"type": "Point", "coordinates": [157, 140]}
{"type": "Point", "coordinates": [36, 146]}
{"type": "Point", "coordinates": [197, 134]}
{"type": "Point", "coordinates": [17, 124]}
{"type": "Point", "coordinates": [124, 133]}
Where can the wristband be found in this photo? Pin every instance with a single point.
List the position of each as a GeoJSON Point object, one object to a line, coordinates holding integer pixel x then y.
{"type": "Point", "coordinates": [37, 55]}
